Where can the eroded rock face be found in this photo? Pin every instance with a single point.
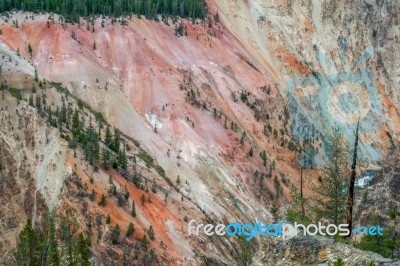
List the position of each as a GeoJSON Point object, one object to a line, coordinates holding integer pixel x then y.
{"type": "Point", "coordinates": [313, 251]}
{"type": "Point", "coordinates": [191, 90]}
{"type": "Point", "coordinates": [254, 45]}
{"type": "Point", "coordinates": [382, 196]}
{"type": "Point", "coordinates": [394, 185]}
{"type": "Point", "coordinates": [25, 193]}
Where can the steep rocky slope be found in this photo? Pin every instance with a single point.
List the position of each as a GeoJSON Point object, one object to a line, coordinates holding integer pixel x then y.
{"type": "Point", "coordinates": [381, 197]}
{"type": "Point", "coordinates": [314, 251]}
{"type": "Point", "coordinates": [266, 69]}
{"type": "Point", "coordinates": [40, 172]}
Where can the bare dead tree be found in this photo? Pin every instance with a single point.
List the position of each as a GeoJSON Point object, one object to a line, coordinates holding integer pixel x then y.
{"type": "Point", "coordinates": [301, 192]}
{"type": "Point", "coordinates": [350, 199]}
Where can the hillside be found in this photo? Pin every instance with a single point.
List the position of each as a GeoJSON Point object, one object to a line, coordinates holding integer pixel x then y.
{"type": "Point", "coordinates": [216, 114]}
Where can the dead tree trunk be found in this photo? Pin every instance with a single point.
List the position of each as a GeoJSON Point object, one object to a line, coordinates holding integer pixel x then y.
{"type": "Point", "coordinates": [301, 192]}
{"type": "Point", "coordinates": [350, 199]}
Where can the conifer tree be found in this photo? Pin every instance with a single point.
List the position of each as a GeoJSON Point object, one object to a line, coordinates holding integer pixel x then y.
{"type": "Point", "coordinates": [144, 242]}
{"type": "Point", "coordinates": [82, 251]}
{"type": "Point", "coordinates": [69, 228]}
{"type": "Point", "coordinates": [116, 141]}
{"type": "Point", "coordinates": [36, 75]}
{"type": "Point", "coordinates": [332, 189]}
{"type": "Point", "coordinates": [53, 254]}
{"type": "Point", "coordinates": [115, 234]}
{"type": "Point", "coordinates": [63, 112]}
{"type": "Point", "coordinates": [31, 101]}
{"type": "Point", "coordinates": [28, 246]}
{"type": "Point", "coordinates": [71, 10]}
{"type": "Point", "coordinates": [106, 158]}
{"type": "Point", "coordinates": [38, 104]}
{"type": "Point", "coordinates": [150, 232]}
{"type": "Point", "coordinates": [30, 49]}
{"type": "Point", "coordinates": [76, 125]}
{"type": "Point", "coordinates": [130, 230]}
{"type": "Point", "coordinates": [108, 137]}
{"type": "Point", "coordinates": [103, 200]}
{"type": "Point", "coordinates": [245, 254]}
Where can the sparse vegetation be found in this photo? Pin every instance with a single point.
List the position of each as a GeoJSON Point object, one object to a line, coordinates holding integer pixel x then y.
{"type": "Point", "coordinates": [180, 29]}
{"type": "Point", "coordinates": [295, 213]}
{"type": "Point", "coordinates": [86, 133]}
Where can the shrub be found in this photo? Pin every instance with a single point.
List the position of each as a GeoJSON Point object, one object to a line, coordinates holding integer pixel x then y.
{"type": "Point", "coordinates": [339, 262]}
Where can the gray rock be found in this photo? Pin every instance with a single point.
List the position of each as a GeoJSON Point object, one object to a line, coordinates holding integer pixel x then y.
{"type": "Point", "coordinates": [314, 250]}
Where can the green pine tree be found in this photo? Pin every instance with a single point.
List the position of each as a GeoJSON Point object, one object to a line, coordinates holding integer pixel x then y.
{"type": "Point", "coordinates": [82, 251]}
{"type": "Point", "coordinates": [103, 200]}
{"type": "Point", "coordinates": [53, 253]}
{"type": "Point", "coordinates": [116, 141]}
{"type": "Point", "coordinates": [76, 125]}
{"type": "Point", "coordinates": [144, 242]}
{"type": "Point", "coordinates": [108, 137]}
{"type": "Point", "coordinates": [333, 186]}
{"type": "Point", "coordinates": [150, 232]}
{"type": "Point", "coordinates": [245, 255]}
{"type": "Point", "coordinates": [115, 234]}
{"type": "Point", "coordinates": [31, 101]}
{"type": "Point", "coordinates": [130, 230]}
{"type": "Point", "coordinates": [69, 227]}
{"type": "Point", "coordinates": [106, 158]}
{"type": "Point", "coordinates": [29, 246]}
